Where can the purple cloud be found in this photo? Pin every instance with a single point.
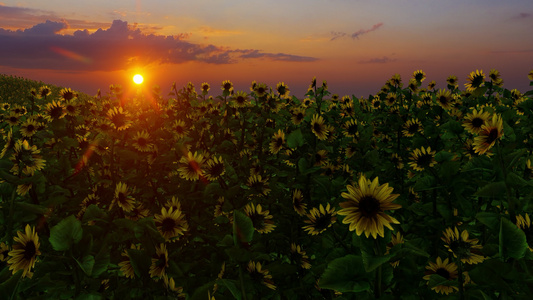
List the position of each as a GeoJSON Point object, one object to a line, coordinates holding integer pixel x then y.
{"type": "Point", "coordinates": [355, 35]}
{"type": "Point", "coordinates": [377, 60]}
{"type": "Point", "coordinates": [118, 47]}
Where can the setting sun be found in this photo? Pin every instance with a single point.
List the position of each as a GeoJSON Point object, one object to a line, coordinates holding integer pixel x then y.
{"type": "Point", "coordinates": [138, 79]}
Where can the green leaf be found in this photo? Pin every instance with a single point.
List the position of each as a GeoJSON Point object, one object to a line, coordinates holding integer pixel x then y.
{"type": "Point", "coordinates": [231, 285]}
{"type": "Point", "coordinates": [371, 261]}
{"type": "Point", "coordinates": [86, 264]}
{"type": "Point", "coordinates": [9, 287]}
{"type": "Point", "coordinates": [243, 228]}
{"type": "Point", "coordinates": [345, 274]}
{"type": "Point", "coordinates": [295, 139]}
{"type": "Point", "coordinates": [140, 261]}
{"type": "Point", "coordinates": [101, 262]}
{"type": "Point", "coordinates": [492, 220]}
{"type": "Point", "coordinates": [66, 233]}
{"type": "Point", "coordinates": [93, 212]}
{"type": "Point", "coordinates": [493, 189]}
{"type": "Point", "coordinates": [513, 242]}
{"type": "Point", "coordinates": [31, 208]}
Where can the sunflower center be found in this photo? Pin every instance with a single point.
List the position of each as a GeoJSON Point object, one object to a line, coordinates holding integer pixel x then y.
{"type": "Point", "coordinates": [322, 222]}
{"type": "Point", "coordinates": [493, 135]}
{"type": "Point", "coordinates": [352, 129]}
{"type": "Point", "coordinates": [443, 272]}
{"type": "Point", "coordinates": [424, 160]}
{"type": "Point", "coordinates": [30, 128]}
{"type": "Point", "coordinates": [279, 142]}
{"type": "Point", "coordinates": [29, 250]}
{"type": "Point", "coordinates": [317, 127]}
{"type": "Point", "coordinates": [122, 198]}
{"type": "Point", "coordinates": [258, 221]}
{"type": "Point", "coordinates": [477, 122]}
{"type": "Point", "coordinates": [141, 141]}
{"type": "Point", "coordinates": [369, 206]}
{"type": "Point", "coordinates": [216, 170]}
{"type": "Point", "coordinates": [168, 224]}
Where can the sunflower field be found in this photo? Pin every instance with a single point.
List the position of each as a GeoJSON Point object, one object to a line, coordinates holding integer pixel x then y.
{"type": "Point", "coordinates": [412, 193]}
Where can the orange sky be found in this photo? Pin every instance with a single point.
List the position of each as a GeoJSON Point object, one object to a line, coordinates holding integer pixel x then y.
{"type": "Point", "coordinates": [354, 45]}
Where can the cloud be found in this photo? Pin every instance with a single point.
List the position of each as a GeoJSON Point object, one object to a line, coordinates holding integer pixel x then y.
{"type": "Point", "coordinates": [377, 60]}
{"type": "Point", "coordinates": [116, 48]}
{"type": "Point", "coordinates": [338, 35]}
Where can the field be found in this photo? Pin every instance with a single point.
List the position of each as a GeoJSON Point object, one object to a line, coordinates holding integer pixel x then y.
{"type": "Point", "coordinates": [412, 193]}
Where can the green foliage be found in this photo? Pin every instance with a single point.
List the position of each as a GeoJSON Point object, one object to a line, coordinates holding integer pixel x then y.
{"type": "Point", "coordinates": [145, 196]}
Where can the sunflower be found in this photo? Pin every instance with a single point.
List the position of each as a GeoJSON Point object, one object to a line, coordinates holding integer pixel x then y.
{"type": "Point", "coordinates": [67, 94]}
{"type": "Point", "coordinates": [191, 166]}
{"type": "Point", "coordinates": [298, 115]}
{"type": "Point", "coordinates": [24, 253]}
{"type": "Point", "coordinates": [159, 262]}
{"type": "Point", "coordinates": [350, 128]}
{"type": "Point", "coordinates": [141, 142]}
{"type": "Point", "coordinates": [258, 185]}
{"type": "Point", "coordinates": [413, 85]}
{"type": "Point", "coordinates": [299, 256]}
{"type": "Point", "coordinates": [138, 212]}
{"type": "Point", "coordinates": [283, 90]}
{"type": "Point", "coordinates": [390, 99]}
{"type": "Point", "coordinates": [419, 75]}
{"type": "Point", "coordinates": [396, 160]}
{"type": "Point", "coordinates": [444, 99]}
{"type": "Point", "coordinates": [179, 129]}
{"type": "Point", "coordinates": [71, 108]}
{"type": "Point", "coordinates": [227, 86]}
{"type": "Point", "coordinates": [13, 119]}
{"type": "Point", "coordinates": [122, 197]}
{"type": "Point", "coordinates": [171, 223]}
{"type": "Point", "coordinates": [260, 89]}
{"type": "Point", "coordinates": [475, 79]}
{"type": "Point", "coordinates": [366, 206]}
{"type": "Point", "coordinates": [27, 158]}
{"type": "Point", "coordinates": [320, 219]}
{"type": "Point", "coordinates": [29, 128]}
{"type": "Point", "coordinates": [125, 266]}
{"type": "Point", "coordinates": [422, 158]}
{"type": "Point", "coordinates": [119, 118]}
{"type": "Point", "coordinates": [298, 202]}
{"type": "Point", "coordinates": [395, 240]}
{"type": "Point", "coordinates": [524, 223]}
{"type": "Point", "coordinates": [45, 91]}
{"type": "Point", "coordinates": [452, 81]}
{"type": "Point", "coordinates": [474, 121]}
{"type": "Point", "coordinates": [318, 127]}
{"type": "Point", "coordinates": [411, 127]}
{"type": "Point", "coordinates": [258, 273]}
{"type": "Point", "coordinates": [376, 103]}
{"type": "Point", "coordinates": [4, 251]}
{"type": "Point", "coordinates": [261, 219]}
{"type": "Point", "coordinates": [214, 168]}
{"type": "Point", "coordinates": [396, 80]}
{"type": "Point", "coordinates": [240, 99]}
{"type": "Point", "coordinates": [277, 141]}
{"type": "Point", "coordinates": [205, 88]}
{"type": "Point", "coordinates": [174, 203]}
{"type": "Point", "coordinates": [494, 76]}
{"type": "Point", "coordinates": [431, 84]}
{"type": "Point", "coordinates": [530, 75]}
{"type": "Point", "coordinates": [490, 132]}
{"type": "Point", "coordinates": [463, 247]}
{"type": "Point", "coordinates": [446, 269]}
{"type": "Point", "coordinates": [88, 201]}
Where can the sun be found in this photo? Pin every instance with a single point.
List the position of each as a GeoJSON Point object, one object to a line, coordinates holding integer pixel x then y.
{"type": "Point", "coordinates": [138, 79]}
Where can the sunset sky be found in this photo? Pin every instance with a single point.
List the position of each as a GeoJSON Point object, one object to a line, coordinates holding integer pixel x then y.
{"type": "Point", "coordinates": [356, 45]}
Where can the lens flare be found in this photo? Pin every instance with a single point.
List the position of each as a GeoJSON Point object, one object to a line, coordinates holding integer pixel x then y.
{"type": "Point", "coordinates": [138, 79]}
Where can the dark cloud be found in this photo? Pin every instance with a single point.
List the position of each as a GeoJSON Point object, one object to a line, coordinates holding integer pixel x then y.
{"type": "Point", "coordinates": [377, 60]}
{"type": "Point", "coordinates": [337, 35]}
{"type": "Point", "coordinates": [118, 47]}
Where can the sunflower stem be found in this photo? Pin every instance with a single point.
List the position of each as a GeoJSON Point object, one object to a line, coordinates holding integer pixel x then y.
{"type": "Point", "coordinates": [377, 284]}
{"type": "Point", "coordinates": [9, 237]}
{"type": "Point", "coordinates": [241, 279]}
{"type": "Point", "coordinates": [461, 280]}
{"type": "Point", "coordinates": [510, 200]}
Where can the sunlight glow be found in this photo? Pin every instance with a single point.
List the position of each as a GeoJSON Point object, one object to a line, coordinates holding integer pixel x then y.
{"type": "Point", "coordinates": [138, 79]}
